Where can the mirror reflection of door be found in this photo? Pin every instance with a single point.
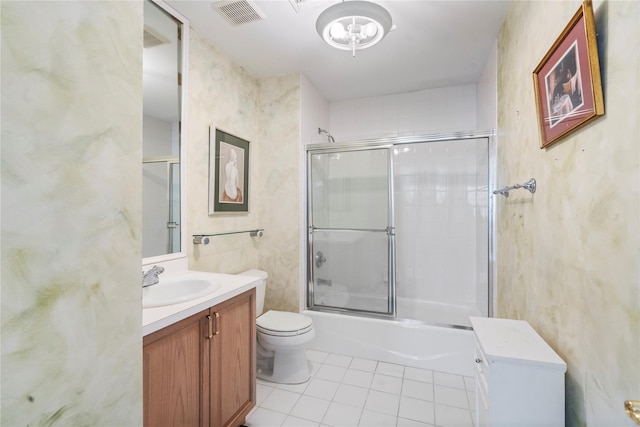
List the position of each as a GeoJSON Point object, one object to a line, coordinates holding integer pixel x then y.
{"type": "Point", "coordinates": [161, 133]}
{"type": "Point", "coordinates": [161, 205]}
{"type": "Point", "coordinates": [174, 208]}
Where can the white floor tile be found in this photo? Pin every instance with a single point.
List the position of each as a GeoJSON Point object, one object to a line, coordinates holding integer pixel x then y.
{"type": "Point", "coordinates": [416, 409]}
{"type": "Point", "coordinates": [390, 369]}
{"type": "Point", "coordinates": [298, 422]}
{"type": "Point", "coordinates": [341, 415]}
{"type": "Point", "coordinates": [451, 396]}
{"type": "Point", "coordinates": [322, 388]}
{"type": "Point", "coordinates": [331, 373]}
{"type": "Point", "coordinates": [448, 416]}
{"type": "Point", "coordinates": [363, 364]}
{"type": "Point", "coordinates": [385, 403]}
{"type": "Point", "coordinates": [387, 384]}
{"type": "Point", "coordinates": [352, 392]}
{"type": "Point", "coordinates": [262, 391]}
{"type": "Point", "coordinates": [358, 378]}
{"type": "Point", "coordinates": [316, 356]}
{"type": "Point", "coordinates": [338, 360]}
{"type": "Point", "coordinates": [374, 419]}
{"type": "Point", "coordinates": [265, 418]}
{"type": "Point", "coordinates": [310, 408]}
{"type": "Point", "coordinates": [418, 374]}
{"type": "Point", "coordinates": [448, 380]}
{"type": "Point", "coordinates": [417, 390]}
{"type": "Point", "coordinates": [280, 401]}
{"type": "Point", "coordinates": [351, 395]}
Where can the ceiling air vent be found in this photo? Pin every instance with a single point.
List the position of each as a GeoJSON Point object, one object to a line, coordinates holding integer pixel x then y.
{"type": "Point", "coordinates": [238, 12]}
{"type": "Point", "coordinates": [153, 38]}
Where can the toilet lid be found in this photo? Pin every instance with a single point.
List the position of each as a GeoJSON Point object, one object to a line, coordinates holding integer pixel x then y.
{"type": "Point", "coordinates": [283, 323]}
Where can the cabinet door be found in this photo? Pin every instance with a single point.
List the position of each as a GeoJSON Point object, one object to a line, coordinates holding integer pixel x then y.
{"type": "Point", "coordinates": [233, 361]}
{"type": "Point", "coordinates": [172, 371]}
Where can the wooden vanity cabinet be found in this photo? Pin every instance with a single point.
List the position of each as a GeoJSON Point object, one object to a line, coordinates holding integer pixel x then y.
{"type": "Point", "coordinates": [232, 361]}
{"type": "Point", "coordinates": [200, 371]}
{"type": "Point", "coordinates": [173, 361]}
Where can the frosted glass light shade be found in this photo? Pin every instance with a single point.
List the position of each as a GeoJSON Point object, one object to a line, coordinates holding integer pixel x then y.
{"type": "Point", "coordinates": [353, 25]}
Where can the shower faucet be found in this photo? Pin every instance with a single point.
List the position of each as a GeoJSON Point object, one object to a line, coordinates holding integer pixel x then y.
{"type": "Point", "coordinates": [329, 137]}
{"type": "Point", "coordinates": [324, 282]}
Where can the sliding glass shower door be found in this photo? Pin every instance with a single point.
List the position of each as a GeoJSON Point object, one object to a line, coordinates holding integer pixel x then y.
{"type": "Point", "coordinates": [401, 228]}
{"type": "Point", "coordinates": [351, 233]}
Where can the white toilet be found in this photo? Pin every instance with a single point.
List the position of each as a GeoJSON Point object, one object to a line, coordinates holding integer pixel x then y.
{"type": "Point", "coordinates": [283, 338]}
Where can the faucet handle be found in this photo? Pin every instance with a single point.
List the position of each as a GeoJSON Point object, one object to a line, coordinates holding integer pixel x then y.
{"type": "Point", "coordinates": [150, 277]}
{"type": "Point", "coordinates": [153, 270]}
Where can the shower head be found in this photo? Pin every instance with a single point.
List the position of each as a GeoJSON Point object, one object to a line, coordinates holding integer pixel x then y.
{"type": "Point", "coordinates": [329, 137]}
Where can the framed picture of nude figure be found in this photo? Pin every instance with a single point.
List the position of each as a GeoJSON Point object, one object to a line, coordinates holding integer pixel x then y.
{"type": "Point", "coordinates": [228, 173]}
{"type": "Point", "coordinates": [567, 83]}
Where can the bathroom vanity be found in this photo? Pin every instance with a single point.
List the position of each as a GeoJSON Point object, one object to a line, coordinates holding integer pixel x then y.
{"type": "Point", "coordinates": [199, 369]}
{"type": "Point", "coordinates": [519, 378]}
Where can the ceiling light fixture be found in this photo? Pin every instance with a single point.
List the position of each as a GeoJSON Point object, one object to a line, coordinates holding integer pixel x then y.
{"type": "Point", "coordinates": [354, 25]}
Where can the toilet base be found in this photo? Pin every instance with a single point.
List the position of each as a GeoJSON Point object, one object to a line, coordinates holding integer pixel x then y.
{"type": "Point", "coordinates": [284, 368]}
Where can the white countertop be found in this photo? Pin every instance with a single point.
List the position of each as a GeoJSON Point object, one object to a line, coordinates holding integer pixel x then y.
{"type": "Point", "coordinates": [514, 340]}
{"type": "Point", "coordinates": [156, 318]}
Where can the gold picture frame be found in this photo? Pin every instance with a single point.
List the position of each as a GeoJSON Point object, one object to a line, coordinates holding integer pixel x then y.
{"type": "Point", "coordinates": [567, 82]}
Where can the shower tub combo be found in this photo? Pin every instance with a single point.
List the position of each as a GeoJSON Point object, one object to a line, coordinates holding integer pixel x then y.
{"type": "Point", "coordinates": [398, 248]}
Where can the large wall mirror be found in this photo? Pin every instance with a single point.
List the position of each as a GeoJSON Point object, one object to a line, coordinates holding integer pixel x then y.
{"type": "Point", "coordinates": [163, 165]}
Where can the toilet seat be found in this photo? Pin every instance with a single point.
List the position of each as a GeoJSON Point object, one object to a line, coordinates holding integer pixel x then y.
{"type": "Point", "coordinates": [283, 323]}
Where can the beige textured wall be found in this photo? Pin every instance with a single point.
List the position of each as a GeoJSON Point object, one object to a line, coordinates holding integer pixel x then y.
{"type": "Point", "coordinates": [279, 189]}
{"type": "Point", "coordinates": [221, 94]}
{"type": "Point", "coordinates": [266, 113]}
{"type": "Point", "coordinates": [71, 213]}
{"type": "Point", "coordinates": [568, 256]}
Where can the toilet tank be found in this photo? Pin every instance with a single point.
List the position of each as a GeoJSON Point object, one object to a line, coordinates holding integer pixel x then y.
{"type": "Point", "coordinates": [260, 288]}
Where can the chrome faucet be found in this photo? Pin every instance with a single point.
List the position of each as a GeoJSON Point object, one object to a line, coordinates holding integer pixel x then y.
{"type": "Point", "coordinates": [151, 277]}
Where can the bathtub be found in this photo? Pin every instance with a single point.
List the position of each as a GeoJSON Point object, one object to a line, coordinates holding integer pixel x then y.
{"type": "Point", "coordinates": [430, 312]}
{"type": "Point", "coordinates": [403, 342]}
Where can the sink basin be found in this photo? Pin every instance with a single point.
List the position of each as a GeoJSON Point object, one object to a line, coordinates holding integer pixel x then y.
{"type": "Point", "coordinates": [176, 291]}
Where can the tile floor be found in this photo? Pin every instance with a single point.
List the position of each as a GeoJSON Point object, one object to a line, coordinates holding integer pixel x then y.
{"type": "Point", "coordinates": [347, 392]}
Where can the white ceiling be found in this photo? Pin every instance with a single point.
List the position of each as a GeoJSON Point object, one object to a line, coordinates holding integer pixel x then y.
{"type": "Point", "coordinates": [436, 43]}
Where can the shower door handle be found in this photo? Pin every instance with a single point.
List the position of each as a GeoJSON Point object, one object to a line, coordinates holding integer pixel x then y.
{"type": "Point", "coordinates": [320, 259]}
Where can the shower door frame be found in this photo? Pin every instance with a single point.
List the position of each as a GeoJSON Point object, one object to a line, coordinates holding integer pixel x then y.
{"type": "Point", "coordinates": [390, 229]}
{"type": "Point", "coordinates": [390, 143]}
